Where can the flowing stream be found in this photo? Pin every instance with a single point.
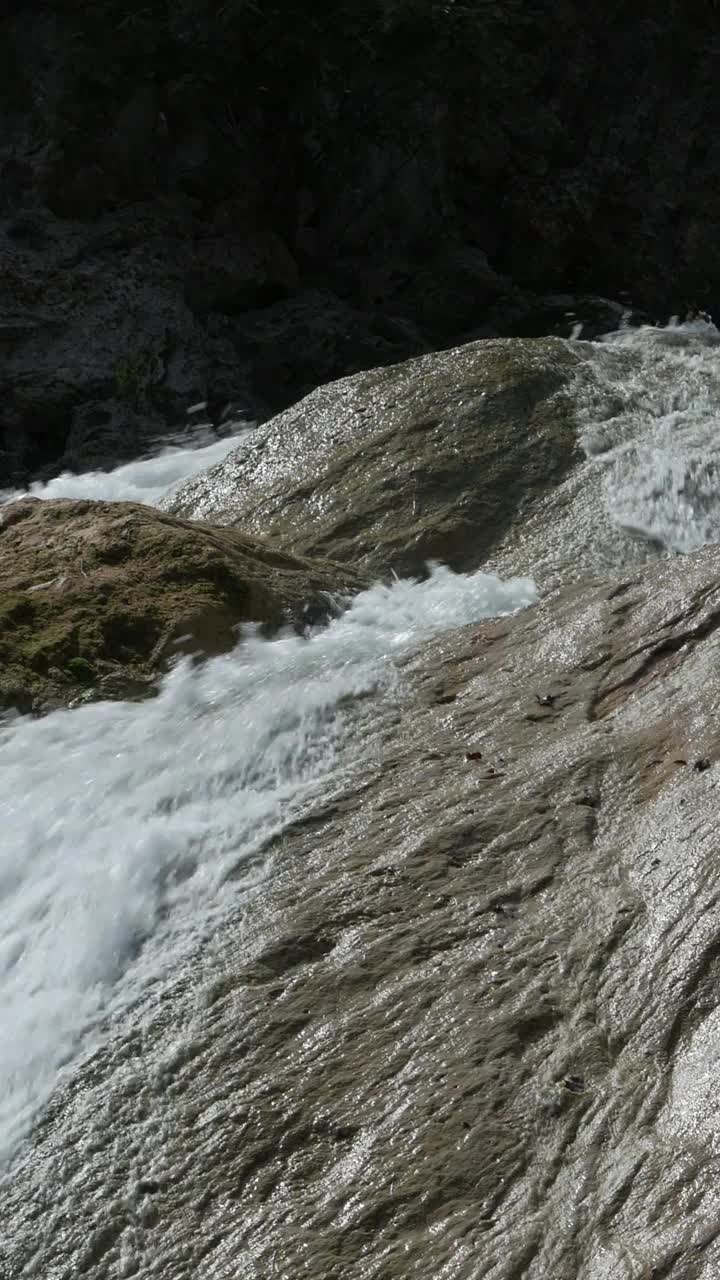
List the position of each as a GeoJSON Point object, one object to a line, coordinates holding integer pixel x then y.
{"type": "Point", "coordinates": [123, 823]}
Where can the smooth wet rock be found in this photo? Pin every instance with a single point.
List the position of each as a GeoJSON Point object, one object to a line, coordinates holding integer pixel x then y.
{"type": "Point", "coordinates": [469, 1024]}
{"type": "Point", "coordinates": [97, 598]}
{"type": "Point", "coordinates": [431, 459]}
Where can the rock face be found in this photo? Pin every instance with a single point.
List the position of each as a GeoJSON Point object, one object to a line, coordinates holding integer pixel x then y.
{"type": "Point", "coordinates": [442, 166]}
{"type": "Point", "coordinates": [469, 1038]}
{"type": "Point", "coordinates": [107, 340]}
{"type": "Point", "coordinates": [96, 598]}
{"type": "Point", "coordinates": [430, 459]}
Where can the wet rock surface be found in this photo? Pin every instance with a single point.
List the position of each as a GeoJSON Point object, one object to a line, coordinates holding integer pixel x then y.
{"type": "Point", "coordinates": [467, 1036]}
{"type": "Point", "coordinates": [431, 459]}
{"type": "Point", "coordinates": [97, 598]}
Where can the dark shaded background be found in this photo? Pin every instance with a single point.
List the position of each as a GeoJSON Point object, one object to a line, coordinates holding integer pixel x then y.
{"type": "Point", "coordinates": [240, 201]}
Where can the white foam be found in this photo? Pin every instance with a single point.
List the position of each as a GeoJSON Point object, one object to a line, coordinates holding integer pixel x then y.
{"type": "Point", "coordinates": [145, 481]}
{"type": "Point", "coordinates": [650, 414]}
{"type": "Point", "coordinates": [122, 822]}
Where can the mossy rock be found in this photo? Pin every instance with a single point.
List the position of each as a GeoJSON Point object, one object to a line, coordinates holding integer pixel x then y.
{"type": "Point", "coordinates": [431, 459]}
{"type": "Point", "coordinates": [97, 598]}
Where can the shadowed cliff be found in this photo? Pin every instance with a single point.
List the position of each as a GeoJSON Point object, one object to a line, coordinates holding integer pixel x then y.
{"type": "Point", "coordinates": [229, 202]}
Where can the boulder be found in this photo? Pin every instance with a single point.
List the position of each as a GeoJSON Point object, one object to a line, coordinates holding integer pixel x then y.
{"type": "Point", "coordinates": [300, 343]}
{"type": "Point", "coordinates": [95, 334]}
{"type": "Point", "coordinates": [431, 459]}
{"type": "Point", "coordinates": [97, 598]}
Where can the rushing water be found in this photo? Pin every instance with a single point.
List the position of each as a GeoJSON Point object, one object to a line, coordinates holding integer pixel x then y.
{"type": "Point", "coordinates": [123, 822]}
{"type": "Point", "coordinates": [651, 413]}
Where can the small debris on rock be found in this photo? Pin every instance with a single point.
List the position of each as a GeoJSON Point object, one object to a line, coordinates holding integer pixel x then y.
{"type": "Point", "coordinates": [546, 699]}
{"type": "Point", "coordinates": [473, 755]}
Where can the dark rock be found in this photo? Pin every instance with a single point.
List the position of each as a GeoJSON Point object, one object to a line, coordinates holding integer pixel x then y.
{"type": "Point", "coordinates": [445, 293]}
{"type": "Point", "coordinates": [294, 346]}
{"type": "Point", "coordinates": [450, 171]}
{"type": "Point", "coordinates": [231, 276]}
{"type": "Point", "coordinates": [564, 315]}
{"type": "Point", "coordinates": [103, 349]}
{"type": "Point", "coordinates": [108, 429]}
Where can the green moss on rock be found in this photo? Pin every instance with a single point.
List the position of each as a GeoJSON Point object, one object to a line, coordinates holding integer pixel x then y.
{"type": "Point", "coordinates": [96, 598]}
